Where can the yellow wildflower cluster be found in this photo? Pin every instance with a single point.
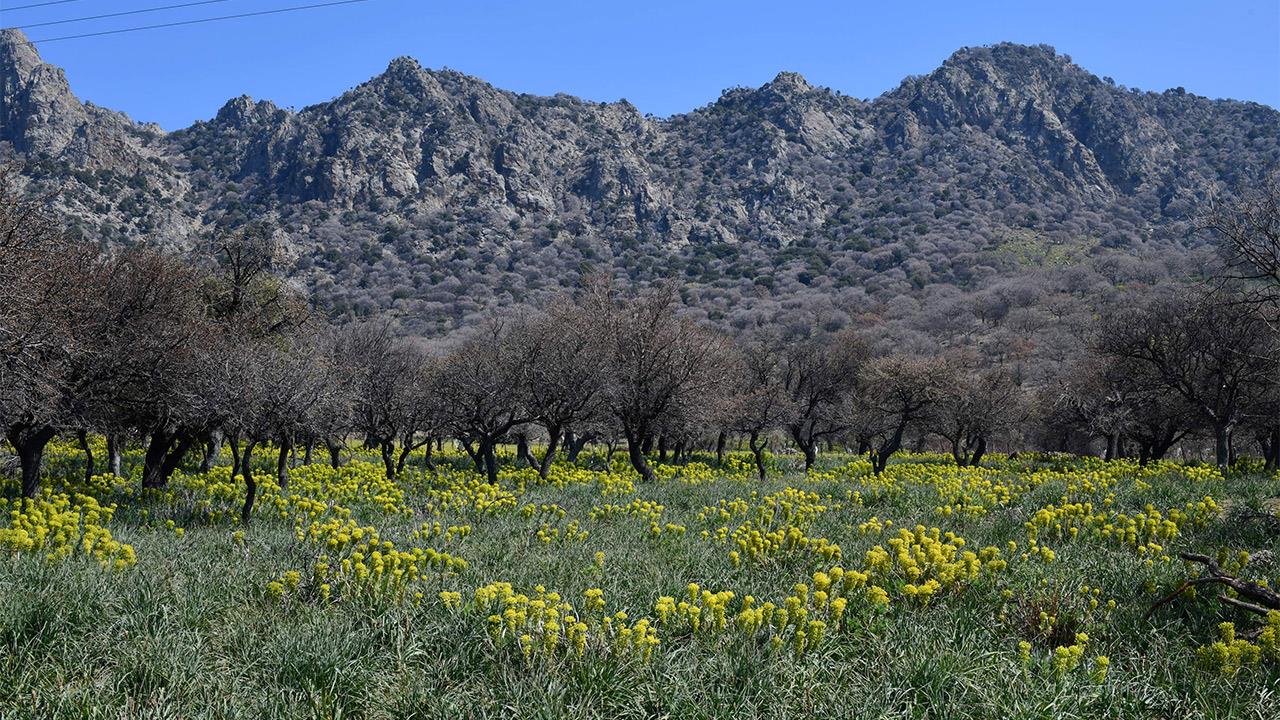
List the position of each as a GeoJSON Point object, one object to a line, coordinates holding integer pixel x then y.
{"type": "Point", "coordinates": [1228, 654]}
{"type": "Point", "coordinates": [774, 527]}
{"type": "Point", "coordinates": [697, 473]}
{"type": "Point", "coordinates": [1146, 531]}
{"type": "Point", "coordinates": [761, 546]}
{"type": "Point", "coordinates": [667, 530]}
{"type": "Point", "coordinates": [59, 526]}
{"type": "Point", "coordinates": [726, 510]}
{"type": "Point", "coordinates": [928, 562]}
{"type": "Point", "coordinates": [437, 530]}
{"type": "Point", "coordinates": [357, 483]}
{"type": "Point", "coordinates": [357, 562]}
{"type": "Point", "coordinates": [544, 624]}
{"type": "Point", "coordinates": [610, 483]}
{"type": "Point", "coordinates": [1064, 659]}
{"type": "Point", "coordinates": [798, 623]}
{"type": "Point", "coordinates": [643, 509]}
{"type": "Point", "coordinates": [467, 492]}
{"type": "Point", "coordinates": [553, 509]}
{"type": "Point", "coordinates": [572, 532]}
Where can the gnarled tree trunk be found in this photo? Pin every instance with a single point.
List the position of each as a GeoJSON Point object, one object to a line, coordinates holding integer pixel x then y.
{"type": "Point", "coordinates": [282, 463]}
{"type": "Point", "coordinates": [30, 442]}
{"type": "Point", "coordinates": [83, 438]}
{"type": "Point", "coordinates": [115, 452]}
{"type": "Point", "coordinates": [549, 457]}
{"type": "Point", "coordinates": [757, 450]}
{"type": "Point", "coordinates": [165, 450]}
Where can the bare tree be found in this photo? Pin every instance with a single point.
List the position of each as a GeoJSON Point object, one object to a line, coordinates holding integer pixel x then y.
{"type": "Point", "coordinates": [482, 394]}
{"type": "Point", "coordinates": [391, 379]}
{"type": "Point", "coordinates": [1248, 229]}
{"type": "Point", "coordinates": [563, 374]}
{"type": "Point", "coordinates": [661, 366]}
{"type": "Point", "coordinates": [896, 393]}
{"type": "Point", "coordinates": [972, 406]}
{"type": "Point", "coordinates": [46, 294]}
{"type": "Point", "coordinates": [156, 366]}
{"type": "Point", "coordinates": [1215, 351]}
{"type": "Point", "coordinates": [757, 402]}
{"type": "Point", "coordinates": [820, 375]}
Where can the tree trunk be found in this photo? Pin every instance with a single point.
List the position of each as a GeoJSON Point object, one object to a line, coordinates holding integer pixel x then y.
{"type": "Point", "coordinates": [282, 463]}
{"type": "Point", "coordinates": [30, 444]}
{"type": "Point", "coordinates": [757, 451]}
{"type": "Point", "coordinates": [960, 456]}
{"type": "Point", "coordinates": [387, 448]}
{"type": "Point", "coordinates": [1222, 445]}
{"type": "Point", "coordinates": [662, 448]}
{"type": "Point", "coordinates": [403, 458]}
{"type": "Point", "coordinates": [575, 444]}
{"type": "Point", "coordinates": [635, 452]}
{"type": "Point", "coordinates": [83, 437]}
{"type": "Point", "coordinates": [646, 444]}
{"type": "Point", "coordinates": [165, 451]}
{"type": "Point", "coordinates": [250, 484]}
{"type": "Point", "coordinates": [890, 446]}
{"type": "Point", "coordinates": [212, 449]}
{"type": "Point", "coordinates": [523, 454]}
{"type": "Point", "coordinates": [490, 457]}
{"type": "Point", "coordinates": [235, 455]}
{"type": "Point", "coordinates": [553, 442]}
{"type": "Point", "coordinates": [335, 453]}
{"type": "Point", "coordinates": [473, 454]}
{"type": "Point", "coordinates": [1112, 451]}
{"type": "Point", "coordinates": [979, 450]}
{"type": "Point", "coordinates": [806, 445]}
{"type": "Point", "coordinates": [721, 439]}
{"type": "Point", "coordinates": [115, 463]}
{"type": "Point", "coordinates": [1271, 449]}
{"type": "Point", "coordinates": [429, 463]}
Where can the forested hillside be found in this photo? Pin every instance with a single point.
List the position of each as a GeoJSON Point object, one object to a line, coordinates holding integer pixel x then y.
{"type": "Point", "coordinates": [983, 203]}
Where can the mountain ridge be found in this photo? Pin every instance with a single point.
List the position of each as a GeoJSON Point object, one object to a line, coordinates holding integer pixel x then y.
{"type": "Point", "coordinates": [437, 195]}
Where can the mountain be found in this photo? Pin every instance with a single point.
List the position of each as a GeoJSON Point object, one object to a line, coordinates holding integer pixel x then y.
{"type": "Point", "coordinates": [954, 202]}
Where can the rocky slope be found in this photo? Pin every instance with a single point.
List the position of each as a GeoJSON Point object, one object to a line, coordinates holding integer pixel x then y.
{"type": "Point", "coordinates": [437, 195]}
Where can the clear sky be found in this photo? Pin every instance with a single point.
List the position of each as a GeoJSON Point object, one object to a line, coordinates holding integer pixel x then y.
{"type": "Point", "coordinates": [665, 57]}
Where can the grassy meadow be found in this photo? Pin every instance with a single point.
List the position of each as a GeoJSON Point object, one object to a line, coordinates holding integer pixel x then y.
{"type": "Point", "coordinates": [1015, 590]}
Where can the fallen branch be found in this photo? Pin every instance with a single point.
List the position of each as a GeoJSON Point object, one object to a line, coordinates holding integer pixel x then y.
{"type": "Point", "coordinates": [1186, 585]}
{"type": "Point", "coordinates": [1264, 599]}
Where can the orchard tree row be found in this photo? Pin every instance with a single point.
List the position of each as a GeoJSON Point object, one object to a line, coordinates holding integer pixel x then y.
{"type": "Point", "coordinates": [187, 354]}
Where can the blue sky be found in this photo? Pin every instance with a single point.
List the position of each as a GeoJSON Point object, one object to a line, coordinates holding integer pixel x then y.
{"type": "Point", "coordinates": [665, 57]}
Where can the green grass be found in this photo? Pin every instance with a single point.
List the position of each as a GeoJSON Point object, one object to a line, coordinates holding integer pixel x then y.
{"type": "Point", "coordinates": [190, 633]}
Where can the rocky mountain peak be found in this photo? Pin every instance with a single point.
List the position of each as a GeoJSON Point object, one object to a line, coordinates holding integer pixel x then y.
{"type": "Point", "coordinates": [787, 82]}
{"type": "Point", "coordinates": [18, 57]}
{"type": "Point", "coordinates": [38, 111]}
{"type": "Point", "coordinates": [244, 111]}
{"type": "Point", "coordinates": [403, 65]}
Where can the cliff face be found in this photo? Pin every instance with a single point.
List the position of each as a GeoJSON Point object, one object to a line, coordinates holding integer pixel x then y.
{"type": "Point", "coordinates": [427, 179]}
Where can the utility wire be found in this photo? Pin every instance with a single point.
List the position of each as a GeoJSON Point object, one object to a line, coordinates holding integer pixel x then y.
{"type": "Point", "coordinates": [119, 14]}
{"type": "Point", "coordinates": [42, 4]}
{"type": "Point", "coordinates": [201, 20]}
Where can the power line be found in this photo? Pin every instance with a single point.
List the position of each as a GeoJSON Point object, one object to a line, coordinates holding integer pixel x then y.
{"type": "Point", "coordinates": [42, 4]}
{"type": "Point", "coordinates": [120, 14]}
{"type": "Point", "coordinates": [197, 22]}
